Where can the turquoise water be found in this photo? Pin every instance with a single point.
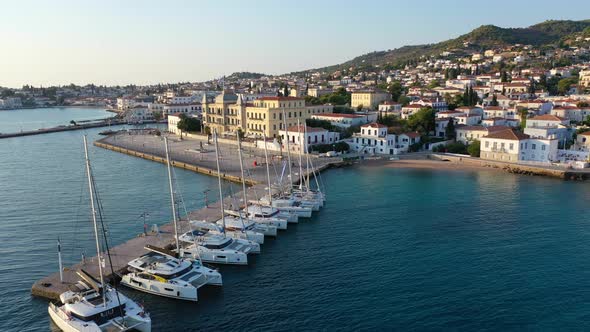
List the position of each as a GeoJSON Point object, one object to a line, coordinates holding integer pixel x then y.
{"type": "Point", "coordinates": [393, 248]}
{"type": "Point", "coordinates": [12, 121]}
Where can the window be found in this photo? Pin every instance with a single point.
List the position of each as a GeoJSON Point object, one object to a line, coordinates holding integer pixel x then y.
{"type": "Point", "coordinates": [533, 146]}
{"type": "Point", "coordinates": [542, 147]}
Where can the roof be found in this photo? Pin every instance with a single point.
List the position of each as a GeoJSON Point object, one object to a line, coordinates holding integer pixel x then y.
{"type": "Point", "coordinates": [547, 117]}
{"type": "Point", "coordinates": [281, 98]}
{"type": "Point", "coordinates": [586, 133]}
{"type": "Point", "coordinates": [508, 134]}
{"type": "Point", "coordinates": [413, 106]}
{"type": "Point", "coordinates": [373, 125]}
{"type": "Point", "coordinates": [302, 129]}
{"type": "Point", "coordinates": [493, 108]}
{"type": "Point", "coordinates": [450, 112]}
{"type": "Point", "coordinates": [339, 115]}
{"type": "Point", "coordinates": [412, 134]}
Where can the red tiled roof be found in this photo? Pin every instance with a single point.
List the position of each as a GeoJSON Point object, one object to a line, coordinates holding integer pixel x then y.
{"type": "Point", "coordinates": [586, 133]}
{"type": "Point", "coordinates": [412, 135]}
{"type": "Point", "coordinates": [493, 108]}
{"type": "Point", "coordinates": [547, 117]}
{"type": "Point", "coordinates": [508, 134]}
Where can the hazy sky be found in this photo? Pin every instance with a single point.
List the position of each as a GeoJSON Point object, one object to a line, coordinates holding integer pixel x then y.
{"type": "Point", "coordinates": [121, 42]}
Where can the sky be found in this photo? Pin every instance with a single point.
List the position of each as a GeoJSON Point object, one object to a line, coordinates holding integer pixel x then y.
{"type": "Point", "coordinates": [119, 42]}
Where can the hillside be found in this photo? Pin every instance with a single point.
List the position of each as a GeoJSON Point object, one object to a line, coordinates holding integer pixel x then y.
{"type": "Point", "coordinates": [482, 38]}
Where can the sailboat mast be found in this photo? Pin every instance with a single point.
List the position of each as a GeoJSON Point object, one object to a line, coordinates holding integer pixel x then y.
{"type": "Point", "coordinates": [242, 172]}
{"type": "Point", "coordinates": [171, 193]}
{"type": "Point", "coordinates": [267, 171]}
{"type": "Point", "coordinates": [300, 152]}
{"type": "Point", "coordinates": [93, 208]}
{"type": "Point", "coordinates": [219, 179]}
{"type": "Point", "coordinates": [288, 149]}
{"type": "Point", "coordinates": [308, 184]}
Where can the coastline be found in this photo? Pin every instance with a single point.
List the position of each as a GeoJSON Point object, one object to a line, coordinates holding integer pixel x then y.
{"type": "Point", "coordinates": [466, 163]}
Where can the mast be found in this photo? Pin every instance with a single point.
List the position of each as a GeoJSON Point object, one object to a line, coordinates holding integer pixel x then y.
{"type": "Point", "coordinates": [171, 193]}
{"type": "Point", "coordinates": [267, 172]}
{"type": "Point", "coordinates": [307, 161]}
{"type": "Point", "coordinates": [93, 208]}
{"type": "Point", "coordinates": [288, 150]}
{"type": "Point", "coordinates": [242, 172]}
{"type": "Point", "coordinates": [300, 152]}
{"type": "Point", "coordinates": [219, 179]}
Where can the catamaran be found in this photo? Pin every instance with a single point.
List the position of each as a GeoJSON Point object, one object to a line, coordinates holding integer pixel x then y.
{"type": "Point", "coordinates": [162, 272]}
{"type": "Point", "coordinates": [91, 304]}
{"type": "Point", "coordinates": [217, 248]}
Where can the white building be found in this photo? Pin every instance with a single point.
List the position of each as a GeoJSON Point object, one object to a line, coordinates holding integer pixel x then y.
{"type": "Point", "coordinates": [137, 114]}
{"type": "Point", "coordinates": [299, 135]}
{"type": "Point", "coordinates": [512, 146]}
{"type": "Point", "coordinates": [168, 109]}
{"type": "Point", "coordinates": [374, 139]}
{"type": "Point", "coordinates": [342, 120]}
{"type": "Point", "coordinates": [548, 126]}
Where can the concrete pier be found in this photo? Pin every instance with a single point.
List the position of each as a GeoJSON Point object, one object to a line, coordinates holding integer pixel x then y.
{"type": "Point", "coordinates": [183, 155]}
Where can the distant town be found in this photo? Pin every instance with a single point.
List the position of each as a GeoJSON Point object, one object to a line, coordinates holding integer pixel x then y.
{"type": "Point", "coordinates": [515, 103]}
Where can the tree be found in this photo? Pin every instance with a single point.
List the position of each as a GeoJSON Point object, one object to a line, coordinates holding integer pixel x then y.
{"type": "Point", "coordinates": [564, 84]}
{"type": "Point", "coordinates": [523, 116]}
{"type": "Point", "coordinates": [188, 124]}
{"type": "Point", "coordinates": [504, 76]}
{"type": "Point", "coordinates": [474, 148]}
{"type": "Point", "coordinates": [450, 129]}
{"type": "Point", "coordinates": [494, 101]}
{"type": "Point", "coordinates": [396, 89]}
{"type": "Point", "coordinates": [241, 133]}
{"type": "Point", "coordinates": [157, 116]}
{"type": "Point", "coordinates": [359, 108]}
{"type": "Point", "coordinates": [422, 121]}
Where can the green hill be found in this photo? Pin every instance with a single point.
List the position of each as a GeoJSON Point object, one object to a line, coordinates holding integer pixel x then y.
{"type": "Point", "coordinates": [482, 38]}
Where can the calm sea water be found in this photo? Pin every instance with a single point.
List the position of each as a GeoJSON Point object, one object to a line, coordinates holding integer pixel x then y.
{"type": "Point", "coordinates": [12, 121]}
{"type": "Point", "coordinates": [393, 248]}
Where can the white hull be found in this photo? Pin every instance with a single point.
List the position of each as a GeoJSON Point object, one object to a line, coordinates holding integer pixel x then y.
{"type": "Point", "coordinates": [248, 235]}
{"type": "Point", "coordinates": [280, 224]}
{"type": "Point", "coordinates": [301, 212]}
{"type": "Point", "coordinates": [215, 256]}
{"type": "Point", "coordinates": [188, 293]}
{"type": "Point", "coordinates": [71, 324]}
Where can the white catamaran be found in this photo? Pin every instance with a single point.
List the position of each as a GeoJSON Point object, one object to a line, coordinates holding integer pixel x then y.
{"type": "Point", "coordinates": [161, 272]}
{"type": "Point", "coordinates": [91, 304]}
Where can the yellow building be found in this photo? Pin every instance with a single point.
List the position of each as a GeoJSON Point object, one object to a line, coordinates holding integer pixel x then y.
{"type": "Point", "coordinates": [265, 115]}
{"type": "Point", "coordinates": [585, 78]}
{"type": "Point", "coordinates": [368, 99]}
{"type": "Point", "coordinates": [225, 114]}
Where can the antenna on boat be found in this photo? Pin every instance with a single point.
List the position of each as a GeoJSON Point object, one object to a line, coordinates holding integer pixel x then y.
{"type": "Point", "coordinates": [219, 178]}
{"type": "Point", "coordinates": [93, 208]}
{"type": "Point", "coordinates": [168, 163]}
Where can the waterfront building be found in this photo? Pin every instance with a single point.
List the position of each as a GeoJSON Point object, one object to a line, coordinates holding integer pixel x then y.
{"type": "Point", "coordinates": [513, 146]}
{"type": "Point", "coordinates": [137, 114]}
{"type": "Point", "coordinates": [10, 102]}
{"type": "Point", "coordinates": [167, 109]}
{"type": "Point", "coordinates": [369, 99]}
{"type": "Point", "coordinates": [265, 115]}
{"type": "Point", "coordinates": [226, 114]}
{"type": "Point", "coordinates": [546, 126]}
{"type": "Point", "coordinates": [373, 139]}
{"type": "Point", "coordinates": [468, 134]}
{"type": "Point", "coordinates": [298, 135]}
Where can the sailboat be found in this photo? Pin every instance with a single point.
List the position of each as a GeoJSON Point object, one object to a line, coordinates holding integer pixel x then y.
{"type": "Point", "coordinates": [275, 221]}
{"type": "Point", "coordinates": [162, 272]}
{"type": "Point", "coordinates": [91, 304]}
{"type": "Point", "coordinates": [284, 203]}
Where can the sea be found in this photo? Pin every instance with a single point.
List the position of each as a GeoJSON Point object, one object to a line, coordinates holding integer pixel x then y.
{"type": "Point", "coordinates": [12, 121]}
{"type": "Point", "coordinates": [393, 249]}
